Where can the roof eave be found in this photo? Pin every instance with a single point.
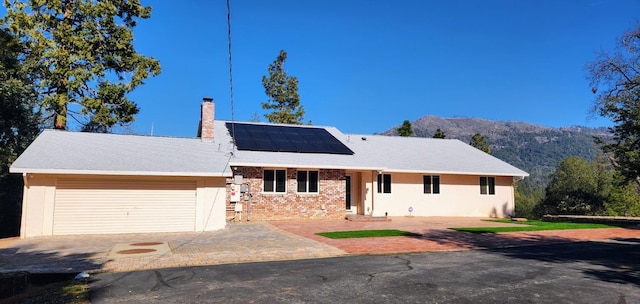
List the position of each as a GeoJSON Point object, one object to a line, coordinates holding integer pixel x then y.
{"type": "Point", "coordinates": [109, 172]}
{"type": "Point", "coordinates": [272, 165]}
{"type": "Point", "coordinates": [517, 174]}
{"type": "Point", "coordinates": [383, 169]}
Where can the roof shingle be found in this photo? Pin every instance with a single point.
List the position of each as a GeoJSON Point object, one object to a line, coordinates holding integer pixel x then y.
{"type": "Point", "coordinates": [90, 153]}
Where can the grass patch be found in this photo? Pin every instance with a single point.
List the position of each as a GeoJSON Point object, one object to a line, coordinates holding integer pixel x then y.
{"type": "Point", "coordinates": [366, 233]}
{"type": "Point", "coordinates": [533, 225]}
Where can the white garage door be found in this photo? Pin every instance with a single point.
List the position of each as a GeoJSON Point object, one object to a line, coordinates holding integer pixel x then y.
{"type": "Point", "coordinates": [91, 206]}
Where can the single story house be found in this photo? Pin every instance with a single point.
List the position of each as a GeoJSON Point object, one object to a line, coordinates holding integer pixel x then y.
{"type": "Point", "coordinates": [90, 183]}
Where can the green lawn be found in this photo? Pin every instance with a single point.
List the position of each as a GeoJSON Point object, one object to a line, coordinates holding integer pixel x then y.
{"type": "Point", "coordinates": [533, 225]}
{"type": "Point", "coordinates": [366, 233]}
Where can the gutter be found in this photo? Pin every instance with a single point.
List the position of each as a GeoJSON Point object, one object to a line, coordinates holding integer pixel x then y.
{"type": "Point", "coordinates": [115, 172]}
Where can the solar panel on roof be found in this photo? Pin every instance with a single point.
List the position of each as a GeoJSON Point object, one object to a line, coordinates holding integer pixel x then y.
{"type": "Point", "coordinates": [255, 137]}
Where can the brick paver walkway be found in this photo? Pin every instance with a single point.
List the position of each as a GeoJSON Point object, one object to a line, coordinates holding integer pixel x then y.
{"type": "Point", "coordinates": [272, 241]}
{"type": "Point", "coordinates": [238, 243]}
{"type": "Point", "coordinates": [436, 236]}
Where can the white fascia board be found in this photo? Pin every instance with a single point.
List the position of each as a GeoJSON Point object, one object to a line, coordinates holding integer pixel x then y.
{"type": "Point", "coordinates": [271, 165]}
{"type": "Point", "coordinates": [455, 172]}
{"type": "Point", "coordinates": [382, 169]}
{"type": "Point", "coordinates": [129, 173]}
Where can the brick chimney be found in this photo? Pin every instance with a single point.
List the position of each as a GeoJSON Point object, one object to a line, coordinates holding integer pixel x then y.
{"type": "Point", "coordinates": [205, 128]}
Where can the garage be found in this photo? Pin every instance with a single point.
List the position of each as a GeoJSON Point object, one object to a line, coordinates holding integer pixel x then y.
{"type": "Point", "coordinates": [123, 205]}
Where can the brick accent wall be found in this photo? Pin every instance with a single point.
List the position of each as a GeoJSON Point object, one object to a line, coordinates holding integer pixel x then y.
{"type": "Point", "coordinates": [328, 203]}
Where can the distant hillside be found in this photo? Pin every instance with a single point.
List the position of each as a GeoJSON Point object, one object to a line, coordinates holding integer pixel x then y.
{"type": "Point", "coordinates": [533, 148]}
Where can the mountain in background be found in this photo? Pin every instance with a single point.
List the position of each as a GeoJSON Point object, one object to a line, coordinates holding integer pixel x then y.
{"type": "Point", "coordinates": [533, 148]}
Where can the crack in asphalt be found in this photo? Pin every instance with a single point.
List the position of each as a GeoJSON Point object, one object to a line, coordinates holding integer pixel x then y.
{"type": "Point", "coordinates": [407, 262]}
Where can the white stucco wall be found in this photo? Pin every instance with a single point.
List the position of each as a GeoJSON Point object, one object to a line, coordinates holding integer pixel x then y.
{"type": "Point", "coordinates": [37, 205]}
{"type": "Point", "coordinates": [459, 196]}
{"type": "Point", "coordinates": [211, 204]}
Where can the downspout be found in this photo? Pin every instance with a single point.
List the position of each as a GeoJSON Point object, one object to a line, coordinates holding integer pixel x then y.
{"type": "Point", "coordinates": [248, 199]}
{"type": "Point", "coordinates": [373, 190]}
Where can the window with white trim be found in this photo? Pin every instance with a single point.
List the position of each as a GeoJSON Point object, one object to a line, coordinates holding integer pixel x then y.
{"type": "Point", "coordinates": [274, 181]}
{"type": "Point", "coordinates": [431, 184]}
{"type": "Point", "coordinates": [307, 181]}
{"type": "Point", "coordinates": [487, 185]}
{"type": "Point", "coordinates": [384, 183]}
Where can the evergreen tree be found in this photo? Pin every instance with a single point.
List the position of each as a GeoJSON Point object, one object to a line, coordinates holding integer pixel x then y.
{"type": "Point", "coordinates": [405, 130]}
{"type": "Point", "coordinates": [282, 91]}
{"type": "Point", "coordinates": [439, 134]}
{"type": "Point", "coordinates": [85, 51]}
{"type": "Point", "coordinates": [527, 196]}
{"type": "Point", "coordinates": [624, 199]}
{"type": "Point", "coordinates": [479, 142]}
{"type": "Point", "coordinates": [615, 78]}
{"type": "Point", "coordinates": [577, 187]}
{"type": "Point", "coordinates": [18, 128]}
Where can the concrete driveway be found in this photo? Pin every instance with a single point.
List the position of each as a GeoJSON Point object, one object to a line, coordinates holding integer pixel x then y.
{"type": "Point", "coordinates": [264, 241]}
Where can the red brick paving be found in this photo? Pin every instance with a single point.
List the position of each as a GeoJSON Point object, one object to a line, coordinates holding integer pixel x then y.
{"type": "Point", "coordinates": [437, 238]}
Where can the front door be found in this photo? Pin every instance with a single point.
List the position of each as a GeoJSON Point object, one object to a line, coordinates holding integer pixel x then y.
{"type": "Point", "coordinates": [348, 192]}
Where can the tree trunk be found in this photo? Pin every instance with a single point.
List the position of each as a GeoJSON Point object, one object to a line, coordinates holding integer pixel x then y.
{"type": "Point", "coordinates": [60, 122]}
{"type": "Point", "coordinates": [61, 119]}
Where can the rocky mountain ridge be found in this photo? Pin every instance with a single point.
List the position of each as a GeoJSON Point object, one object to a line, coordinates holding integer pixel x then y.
{"type": "Point", "coordinates": [533, 148]}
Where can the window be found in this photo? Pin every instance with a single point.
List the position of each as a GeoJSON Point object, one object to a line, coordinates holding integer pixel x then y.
{"type": "Point", "coordinates": [431, 184]}
{"type": "Point", "coordinates": [384, 183]}
{"type": "Point", "coordinates": [308, 181]}
{"type": "Point", "coordinates": [274, 181]}
{"type": "Point", "coordinates": [487, 185]}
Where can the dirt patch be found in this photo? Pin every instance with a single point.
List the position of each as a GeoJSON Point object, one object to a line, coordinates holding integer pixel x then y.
{"type": "Point", "coordinates": [60, 292]}
{"type": "Point", "coordinates": [23, 287]}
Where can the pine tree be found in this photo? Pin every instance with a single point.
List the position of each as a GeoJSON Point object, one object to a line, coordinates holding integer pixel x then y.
{"type": "Point", "coordinates": [439, 134]}
{"type": "Point", "coordinates": [85, 51]}
{"type": "Point", "coordinates": [615, 78]}
{"type": "Point", "coordinates": [282, 91]}
{"type": "Point", "coordinates": [405, 130]}
{"type": "Point", "coordinates": [18, 127]}
{"type": "Point", "coordinates": [478, 141]}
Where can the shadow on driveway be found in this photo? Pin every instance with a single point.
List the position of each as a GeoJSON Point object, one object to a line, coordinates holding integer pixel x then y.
{"type": "Point", "coordinates": [21, 268]}
{"type": "Point", "coordinates": [29, 259]}
{"type": "Point", "coordinates": [617, 259]}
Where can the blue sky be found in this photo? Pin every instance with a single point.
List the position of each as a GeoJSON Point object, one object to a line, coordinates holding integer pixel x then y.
{"type": "Point", "coordinates": [364, 66]}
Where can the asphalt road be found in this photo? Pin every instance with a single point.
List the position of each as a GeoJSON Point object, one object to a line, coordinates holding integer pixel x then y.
{"type": "Point", "coordinates": [586, 272]}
